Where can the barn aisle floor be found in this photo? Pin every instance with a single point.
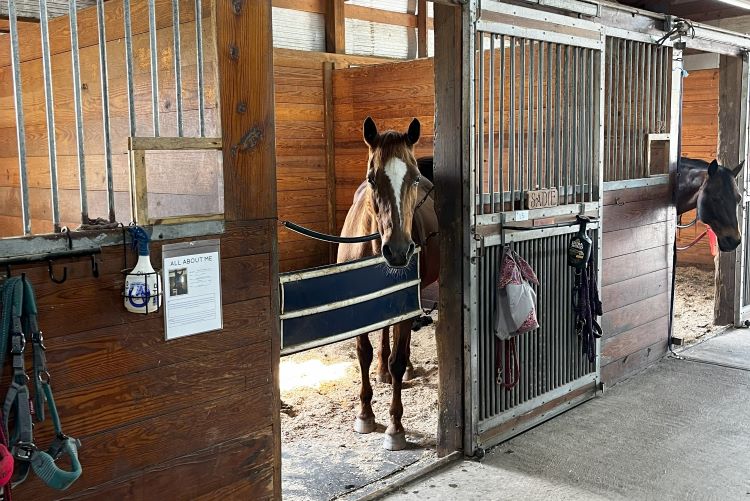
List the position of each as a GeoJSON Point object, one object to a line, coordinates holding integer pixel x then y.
{"type": "Point", "coordinates": [678, 431]}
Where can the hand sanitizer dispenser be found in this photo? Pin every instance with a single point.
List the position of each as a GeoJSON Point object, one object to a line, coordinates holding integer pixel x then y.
{"type": "Point", "coordinates": [143, 289]}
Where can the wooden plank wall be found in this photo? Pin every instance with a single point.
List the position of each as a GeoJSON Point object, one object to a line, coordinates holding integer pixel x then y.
{"type": "Point", "coordinates": [305, 183]}
{"type": "Point", "coordinates": [637, 259]}
{"type": "Point", "coordinates": [392, 94]}
{"type": "Point", "coordinates": [700, 133]}
{"type": "Point", "coordinates": [198, 417]}
{"type": "Point", "coordinates": [195, 191]}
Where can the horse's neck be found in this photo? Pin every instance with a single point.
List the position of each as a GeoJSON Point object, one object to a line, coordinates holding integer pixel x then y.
{"type": "Point", "coordinates": [689, 184]}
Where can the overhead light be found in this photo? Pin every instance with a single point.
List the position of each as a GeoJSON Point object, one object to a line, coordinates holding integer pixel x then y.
{"type": "Point", "coordinates": [743, 4]}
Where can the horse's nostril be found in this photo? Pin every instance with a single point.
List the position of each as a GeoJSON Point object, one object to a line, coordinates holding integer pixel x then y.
{"type": "Point", "coordinates": [387, 251]}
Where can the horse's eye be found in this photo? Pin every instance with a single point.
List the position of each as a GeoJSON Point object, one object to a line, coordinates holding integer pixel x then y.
{"type": "Point", "coordinates": [371, 180]}
{"type": "Point", "coordinates": [416, 181]}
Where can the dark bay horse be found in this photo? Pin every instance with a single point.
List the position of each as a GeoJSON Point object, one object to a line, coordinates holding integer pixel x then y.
{"type": "Point", "coordinates": [395, 200]}
{"type": "Point", "coordinates": [712, 189]}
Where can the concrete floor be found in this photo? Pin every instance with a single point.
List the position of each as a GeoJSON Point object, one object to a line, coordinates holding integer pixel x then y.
{"type": "Point", "coordinates": [678, 431]}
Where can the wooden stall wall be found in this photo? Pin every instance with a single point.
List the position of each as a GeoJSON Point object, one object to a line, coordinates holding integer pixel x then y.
{"type": "Point", "coordinates": [304, 151]}
{"type": "Point", "coordinates": [392, 94]}
{"type": "Point", "coordinates": [197, 417]}
{"type": "Point", "coordinates": [700, 132]}
{"type": "Point", "coordinates": [638, 232]}
{"type": "Point", "coordinates": [196, 192]}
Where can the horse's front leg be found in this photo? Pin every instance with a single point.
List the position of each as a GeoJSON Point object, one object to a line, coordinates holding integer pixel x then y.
{"type": "Point", "coordinates": [365, 421]}
{"type": "Point", "coordinates": [384, 354]}
{"type": "Point", "coordinates": [395, 438]}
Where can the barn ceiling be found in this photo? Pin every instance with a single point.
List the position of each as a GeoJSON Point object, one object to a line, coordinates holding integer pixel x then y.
{"type": "Point", "coordinates": [695, 10]}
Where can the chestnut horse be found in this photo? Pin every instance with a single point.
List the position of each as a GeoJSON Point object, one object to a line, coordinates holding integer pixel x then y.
{"type": "Point", "coordinates": [395, 200]}
{"type": "Point", "coordinates": [712, 189]}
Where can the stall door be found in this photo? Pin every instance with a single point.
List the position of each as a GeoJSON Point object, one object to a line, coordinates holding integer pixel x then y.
{"type": "Point", "coordinates": [537, 150]}
{"type": "Point", "coordinates": [742, 290]}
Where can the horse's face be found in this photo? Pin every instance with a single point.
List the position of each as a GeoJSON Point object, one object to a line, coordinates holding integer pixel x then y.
{"type": "Point", "coordinates": [717, 205]}
{"type": "Point", "coordinates": [393, 177]}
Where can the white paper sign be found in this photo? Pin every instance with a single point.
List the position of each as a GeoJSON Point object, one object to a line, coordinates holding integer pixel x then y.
{"type": "Point", "coordinates": [192, 288]}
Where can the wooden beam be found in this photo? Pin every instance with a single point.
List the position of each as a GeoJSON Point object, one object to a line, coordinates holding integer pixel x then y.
{"type": "Point", "coordinates": [449, 192]}
{"type": "Point", "coordinates": [422, 28]}
{"type": "Point", "coordinates": [174, 143]}
{"type": "Point", "coordinates": [730, 92]}
{"type": "Point", "coordinates": [245, 63]}
{"type": "Point", "coordinates": [335, 27]}
{"type": "Point", "coordinates": [330, 153]}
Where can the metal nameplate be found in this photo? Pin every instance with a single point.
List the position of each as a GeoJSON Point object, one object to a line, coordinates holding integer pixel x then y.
{"type": "Point", "coordinates": [539, 199]}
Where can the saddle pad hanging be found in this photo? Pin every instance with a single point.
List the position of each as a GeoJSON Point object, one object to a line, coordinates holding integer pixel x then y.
{"type": "Point", "coordinates": [515, 309]}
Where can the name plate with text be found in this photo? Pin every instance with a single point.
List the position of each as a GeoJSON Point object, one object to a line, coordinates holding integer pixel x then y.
{"type": "Point", "coordinates": [539, 199]}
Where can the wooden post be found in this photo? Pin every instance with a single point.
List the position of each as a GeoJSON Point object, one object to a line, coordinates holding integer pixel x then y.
{"type": "Point", "coordinates": [330, 153]}
{"type": "Point", "coordinates": [335, 27]}
{"type": "Point", "coordinates": [730, 92]}
{"type": "Point", "coordinates": [422, 28]}
{"type": "Point", "coordinates": [449, 193]}
{"type": "Point", "coordinates": [245, 64]}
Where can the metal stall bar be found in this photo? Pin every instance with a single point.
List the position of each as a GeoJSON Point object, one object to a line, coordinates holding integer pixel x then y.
{"type": "Point", "coordinates": [199, 68]}
{"type": "Point", "coordinates": [648, 103]}
{"type": "Point", "coordinates": [104, 77]}
{"type": "Point", "coordinates": [177, 58]}
{"type": "Point", "coordinates": [531, 135]}
{"type": "Point", "coordinates": [596, 125]}
{"type": "Point", "coordinates": [628, 174]}
{"type": "Point", "coordinates": [20, 128]}
{"type": "Point", "coordinates": [548, 112]}
{"type": "Point", "coordinates": [512, 126]}
{"type": "Point", "coordinates": [610, 107]}
{"type": "Point", "coordinates": [50, 107]}
{"type": "Point", "coordinates": [491, 131]}
{"type": "Point", "coordinates": [73, 17]}
{"type": "Point", "coordinates": [615, 96]}
{"type": "Point", "coordinates": [540, 118]}
{"type": "Point", "coordinates": [621, 171]}
{"type": "Point", "coordinates": [501, 136]}
{"type": "Point", "coordinates": [659, 84]}
{"type": "Point", "coordinates": [575, 129]}
{"type": "Point", "coordinates": [521, 130]}
{"type": "Point", "coordinates": [566, 160]}
{"type": "Point", "coordinates": [154, 56]}
{"type": "Point", "coordinates": [558, 118]}
{"type": "Point", "coordinates": [129, 66]}
{"type": "Point", "coordinates": [480, 125]}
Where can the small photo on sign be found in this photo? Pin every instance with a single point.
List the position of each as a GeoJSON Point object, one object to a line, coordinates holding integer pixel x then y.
{"type": "Point", "coordinates": [178, 282]}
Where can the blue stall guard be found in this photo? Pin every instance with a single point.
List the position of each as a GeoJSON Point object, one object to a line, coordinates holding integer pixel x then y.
{"type": "Point", "coordinates": [332, 303]}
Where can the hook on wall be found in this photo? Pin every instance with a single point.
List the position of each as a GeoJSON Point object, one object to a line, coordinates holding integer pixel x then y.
{"type": "Point", "coordinates": [52, 274]}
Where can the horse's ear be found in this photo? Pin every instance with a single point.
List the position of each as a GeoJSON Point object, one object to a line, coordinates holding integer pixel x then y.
{"type": "Point", "coordinates": [370, 132]}
{"type": "Point", "coordinates": [413, 134]}
{"type": "Point", "coordinates": [736, 171]}
{"type": "Point", "coordinates": [713, 167]}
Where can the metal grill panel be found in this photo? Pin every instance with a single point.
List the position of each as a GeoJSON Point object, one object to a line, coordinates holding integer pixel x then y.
{"type": "Point", "coordinates": [551, 356]}
{"type": "Point", "coordinates": [536, 121]}
{"type": "Point", "coordinates": [637, 103]}
{"type": "Point", "coordinates": [746, 250]}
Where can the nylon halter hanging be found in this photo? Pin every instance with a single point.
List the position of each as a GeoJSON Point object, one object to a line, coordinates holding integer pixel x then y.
{"type": "Point", "coordinates": [18, 325]}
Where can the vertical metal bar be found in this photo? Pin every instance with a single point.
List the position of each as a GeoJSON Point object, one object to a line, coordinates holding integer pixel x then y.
{"type": "Point", "coordinates": [512, 126]}
{"type": "Point", "coordinates": [594, 127]}
{"type": "Point", "coordinates": [177, 58]}
{"type": "Point", "coordinates": [104, 77]}
{"type": "Point", "coordinates": [481, 116]}
{"type": "Point", "coordinates": [629, 139]}
{"type": "Point", "coordinates": [649, 103]}
{"type": "Point", "coordinates": [501, 136]}
{"type": "Point", "coordinates": [129, 66]}
{"type": "Point", "coordinates": [154, 65]}
{"type": "Point", "coordinates": [623, 113]}
{"type": "Point", "coordinates": [666, 70]}
{"type": "Point", "coordinates": [73, 17]}
{"type": "Point", "coordinates": [608, 125]}
{"type": "Point", "coordinates": [548, 113]}
{"type": "Point", "coordinates": [659, 86]}
{"type": "Point", "coordinates": [521, 149]}
{"type": "Point", "coordinates": [539, 117]}
{"type": "Point", "coordinates": [20, 126]}
{"type": "Point", "coordinates": [615, 92]}
{"type": "Point", "coordinates": [491, 131]}
{"type": "Point", "coordinates": [637, 140]}
{"type": "Point", "coordinates": [50, 107]}
{"type": "Point", "coordinates": [199, 68]}
{"type": "Point", "coordinates": [531, 137]}
{"type": "Point", "coordinates": [566, 123]}
{"type": "Point", "coordinates": [558, 118]}
{"type": "Point", "coordinates": [576, 126]}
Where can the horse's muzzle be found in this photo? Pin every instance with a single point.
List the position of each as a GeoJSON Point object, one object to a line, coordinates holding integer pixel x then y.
{"type": "Point", "coordinates": [728, 244]}
{"type": "Point", "coordinates": [397, 255]}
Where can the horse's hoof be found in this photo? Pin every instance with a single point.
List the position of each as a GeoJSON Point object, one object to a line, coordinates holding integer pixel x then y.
{"type": "Point", "coordinates": [395, 441]}
{"type": "Point", "coordinates": [366, 425]}
{"type": "Point", "coordinates": [384, 377]}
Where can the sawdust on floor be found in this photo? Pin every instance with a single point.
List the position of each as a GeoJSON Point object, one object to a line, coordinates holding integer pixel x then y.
{"type": "Point", "coordinates": [320, 393]}
{"type": "Point", "coordinates": [694, 303]}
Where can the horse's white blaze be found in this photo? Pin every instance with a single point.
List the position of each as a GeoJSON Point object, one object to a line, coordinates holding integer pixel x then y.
{"type": "Point", "coordinates": [395, 169]}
